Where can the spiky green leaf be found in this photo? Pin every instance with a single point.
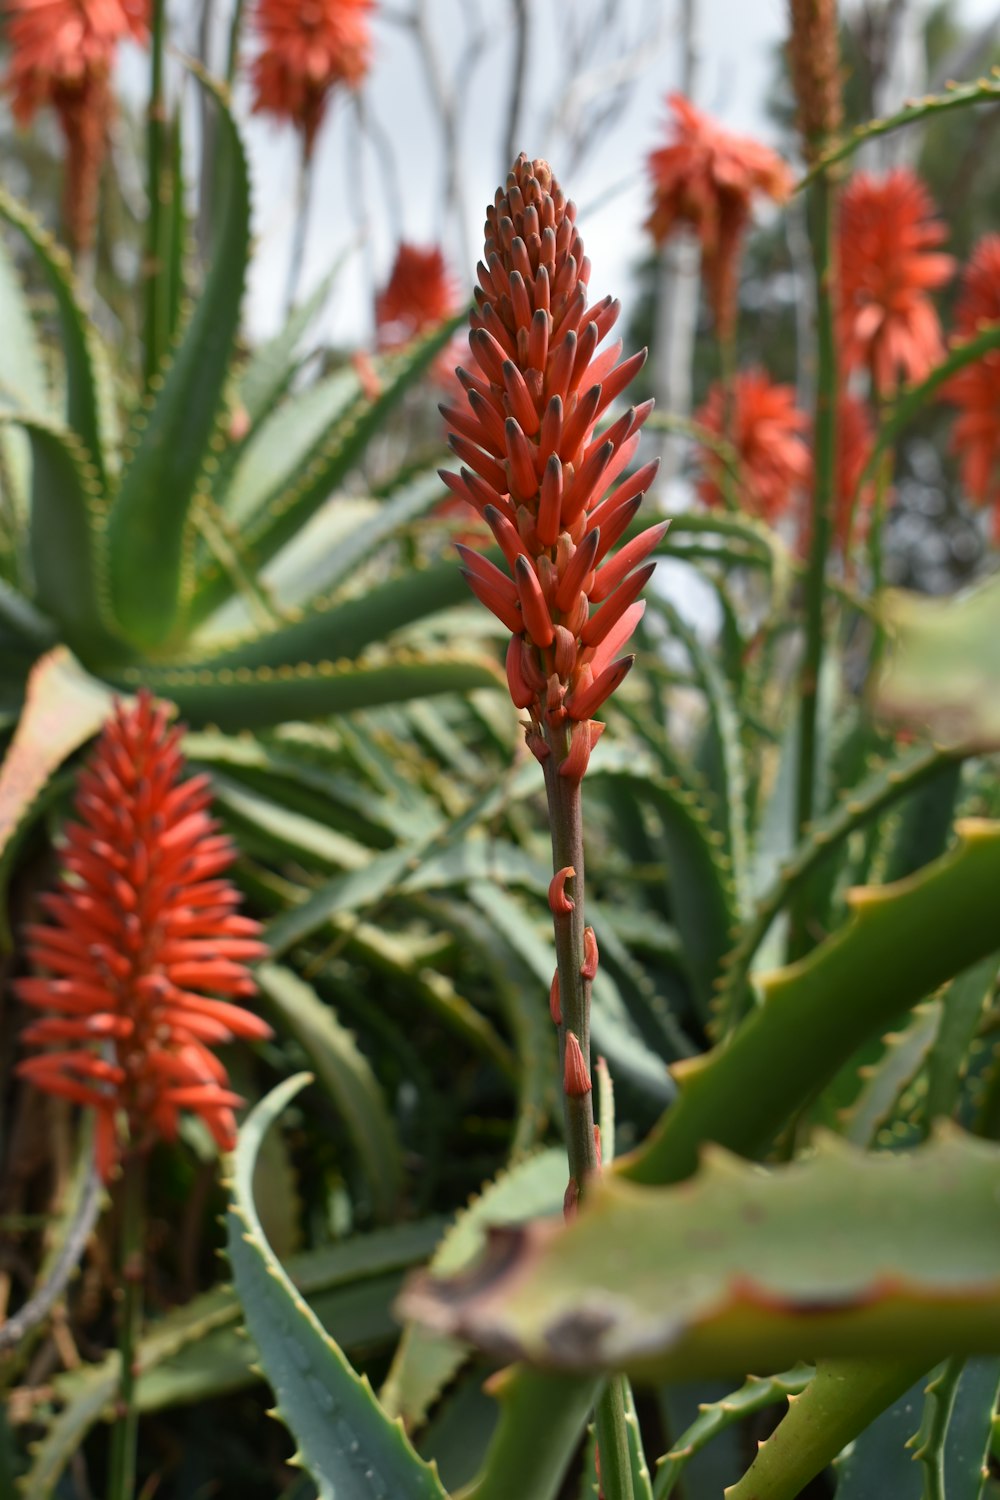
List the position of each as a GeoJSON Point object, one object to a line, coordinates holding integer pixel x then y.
{"type": "Point", "coordinates": [346, 1441]}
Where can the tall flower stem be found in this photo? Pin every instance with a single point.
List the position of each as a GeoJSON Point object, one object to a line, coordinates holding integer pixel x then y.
{"type": "Point", "coordinates": [121, 1484]}
{"type": "Point", "coordinates": [155, 309]}
{"type": "Point", "coordinates": [822, 206]}
{"type": "Point", "coordinates": [300, 229]}
{"type": "Point", "coordinates": [565, 802]}
{"type": "Point", "coordinates": [566, 822]}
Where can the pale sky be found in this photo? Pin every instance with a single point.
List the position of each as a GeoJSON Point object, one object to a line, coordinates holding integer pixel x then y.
{"type": "Point", "coordinates": [736, 41]}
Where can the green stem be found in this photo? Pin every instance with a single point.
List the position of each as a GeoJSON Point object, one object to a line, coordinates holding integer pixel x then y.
{"type": "Point", "coordinates": [233, 58]}
{"type": "Point", "coordinates": [565, 802]}
{"type": "Point", "coordinates": [883, 479]}
{"type": "Point", "coordinates": [822, 196]}
{"type": "Point", "coordinates": [154, 269]}
{"type": "Point", "coordinates": [566, 823]}
{"type": "Point", "coordinates": [300, 229]}
{"type": "Point", "coordinates": [612, 1441]}
{"type": "Point", "coordinates": [121, 1485]}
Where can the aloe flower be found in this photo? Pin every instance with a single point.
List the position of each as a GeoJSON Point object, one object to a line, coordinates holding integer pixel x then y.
{"type": "Point", "coordinates": [308, 47]}
{"type": "Point", "coordinates": [555, 492]}
{"type": "Point", "coordinates": [142, 925]}
{"type": "Point", "coordinates": [62, 53]}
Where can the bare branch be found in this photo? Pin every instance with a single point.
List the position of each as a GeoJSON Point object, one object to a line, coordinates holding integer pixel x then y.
{"type": "Point", "coordinates": [517, 84]}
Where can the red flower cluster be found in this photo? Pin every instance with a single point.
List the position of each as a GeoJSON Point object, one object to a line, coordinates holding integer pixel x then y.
{"type": "Point", "coordinates": [707, 177]}
{"type": "Point", "coordinates": [540, 477]}
{"type": "Point", "coordinates": [976, 389]}
{"type": "Point", "coordinates": [141, 924]}
{"type": "Point", "coordinates": [888, 264]}
{"type": "Point", "coordinates": [62, 53]}
{"type": "Point", "coordinates": [307, 48]}
{"type": "Point", "coordinates": [419, 294]}
{"type": "Point", "coordinates": [767, 432]}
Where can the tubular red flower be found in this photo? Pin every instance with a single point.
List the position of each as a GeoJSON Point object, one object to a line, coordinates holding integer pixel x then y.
{"type": "Point", "coordinates": [768, 434]}
{"type": "Point", "coordinates": [135, 924]}
{"type": "Point", "coordinates": [419, 294]}
{"type": "Point", "coordinates": [307, 48]}
{"type": "Point", "coordinates": [540, 471]}
{"type": "Point", "coordinates": [975, 390]}
{"type": "Point", "coordinates": [707, 177]}
{"type": "Point", "coordinates": [62, 52]}
{"type": "Point", "coordinates": [887, 264]}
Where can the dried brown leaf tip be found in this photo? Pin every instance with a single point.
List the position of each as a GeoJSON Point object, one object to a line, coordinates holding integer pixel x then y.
{"type": "Point", "coordinates": [556, 493]}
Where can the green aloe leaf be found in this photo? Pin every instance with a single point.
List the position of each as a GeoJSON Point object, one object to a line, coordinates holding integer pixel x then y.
{"type": "Point", "coordinates": [899, 944]}
{"type": "Point", "coordinates": [756, 1394]}
{"type": "Point", "coordinates": [270, 368]}
{"type": "Point", "coordinates": [89, 400]}
{"type": "Point", "coordinates": [197, 1350]}
{"type": "Point", "coordinates": [335, 454]}
{"type": "Point", "coordinates": [943, 669]}
{"type": "Point", "coordinates": [339, 630]}
{"type": "Point", "coordinates": [701, 896]}
{"type": "Point", "coordinates": [352, 1449]}
{"type": "Point", "coordinates": [426, 1363]}
{"type": "Point", "coordinates": [67, 504]}
{"type": "Point", "coordinates": [22, 361]}
{"type": "Point", "coordinates": [842, 1254]}
{"type": "Point", "coordinates": [241, 698]}
{"type": "Point", "coordinates": [844, 1397]}
{"type": "Point", "coordinates": [346, 1074]}
{"type": "Point", "coordinates": [543, 1414]}
{"type": "Point", "coordinates": [149, 522]}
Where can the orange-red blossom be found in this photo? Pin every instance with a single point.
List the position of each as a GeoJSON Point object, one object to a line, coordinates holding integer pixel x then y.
{"type": "Point", "coordinates": [547, 483]}
{"type": "Point", "coordinates": [142, 924]}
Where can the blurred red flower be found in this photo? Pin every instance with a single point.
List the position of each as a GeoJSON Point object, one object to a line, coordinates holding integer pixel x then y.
{"type": "Point", "coordinates": [141, 924]}
{"type": "Point", "coordinates": [62, 53]}
{"type": "Point", "coordinates": [767, 433]}
{"type": "Point", "coordinates": [307, 48]}
{"type": "Point", "coordinates": [888, 264]}
{"type": "Point", "coordinates": [976, 389]}
{"type": "Point", "coordinates": [707, 177]}
{"type": "Point", "coordinates": [420, 293]}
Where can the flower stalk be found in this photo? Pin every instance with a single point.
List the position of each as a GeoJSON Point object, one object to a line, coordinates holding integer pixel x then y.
{"type": "Point", "coordinates": [556, 494]}
{"type": "Point", "coordinates": [124, 1433]}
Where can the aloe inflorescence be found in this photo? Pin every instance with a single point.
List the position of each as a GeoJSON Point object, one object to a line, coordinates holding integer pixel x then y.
{"type": "Point", "coordinates": [548, 484]}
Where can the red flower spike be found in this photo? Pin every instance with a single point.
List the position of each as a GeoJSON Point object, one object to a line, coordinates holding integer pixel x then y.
{"type": "Point", "coordinates": [520, 691]}
{"type": "Point", "coordinates": [533, 605]}
{"type": "Point", "coordinates": [307, 49]}
{"type": "Point", "coordinates": [600, 624]}
{"type": "Point", "coordinates": [62, 53]}
{"type": "Point", "coordinates": [136, 922]}
{"type": "Point", "coordinates": [588, 968]}
{"type": "Point", "coordinates": [616, 638]}
{"type": "Point", "coordinates": [419, 294]}
{"type": "Point", "coordinates": [555, 1002]}
{"type": "Point", "coordinates": [975, 390]}
{"type": "Point", "coordinates": [614, 572]}
{"type": "Point", "coordinates": [768, 433]}
{"type": "Point", "coordinates": [597, 1147]}
{"type": "Point", "coordinates": [560, 904]}
{"type": "Point", "coordinates": [888, 262]}
{"type": "Point", "coordinates": [528, 436]}
{"type": "Point", "coordinates": [583, 704]}
{"type": "Point", "coordinates": [708, 178]}
{"type": "Point", "coordinates": [576, 1078]}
